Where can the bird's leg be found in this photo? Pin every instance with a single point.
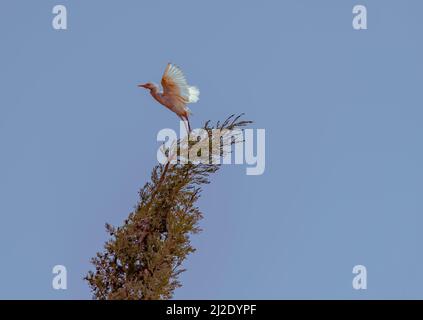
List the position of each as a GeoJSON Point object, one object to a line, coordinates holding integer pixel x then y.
{"type": "Point", "coordinates": [187, 126]}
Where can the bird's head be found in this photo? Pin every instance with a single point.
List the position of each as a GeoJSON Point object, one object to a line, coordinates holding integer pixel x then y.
{"type": "Point", "coordinates": [147, 85]}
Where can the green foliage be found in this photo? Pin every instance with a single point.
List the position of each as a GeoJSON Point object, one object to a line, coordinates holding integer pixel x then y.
{"type": "Point", "coordinates": [143, 257]}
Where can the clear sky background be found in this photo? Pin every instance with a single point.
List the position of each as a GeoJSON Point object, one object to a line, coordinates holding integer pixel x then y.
{"type": "Point", "coordinates": [342, 111]}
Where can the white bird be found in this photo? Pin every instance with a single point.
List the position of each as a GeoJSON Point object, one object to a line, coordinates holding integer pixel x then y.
{"type": "Point", "coordinates": [176, 93]}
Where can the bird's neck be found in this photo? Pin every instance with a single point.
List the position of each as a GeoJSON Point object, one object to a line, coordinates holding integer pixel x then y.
{"type": "Point", "coordinates": [156, 94]}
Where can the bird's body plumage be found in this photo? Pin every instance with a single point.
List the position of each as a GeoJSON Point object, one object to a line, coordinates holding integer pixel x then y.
{"type": "Point", "coordinates": [176, 92]}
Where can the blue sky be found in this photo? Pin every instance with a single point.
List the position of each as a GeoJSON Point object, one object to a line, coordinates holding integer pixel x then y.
{"type": "Point", "coordinates": [342, 111]}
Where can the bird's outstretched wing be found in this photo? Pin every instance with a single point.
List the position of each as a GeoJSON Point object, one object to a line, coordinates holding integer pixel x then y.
{"type": "Point", "coordinates": [174, 83]}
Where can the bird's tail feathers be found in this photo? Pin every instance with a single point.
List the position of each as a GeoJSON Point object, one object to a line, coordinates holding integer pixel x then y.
{"type": "Point", "coordinates": [193, 94]}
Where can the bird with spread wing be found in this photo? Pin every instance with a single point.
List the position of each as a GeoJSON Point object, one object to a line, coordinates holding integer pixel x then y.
{"type": "Point", "coordinates": [176, 93]}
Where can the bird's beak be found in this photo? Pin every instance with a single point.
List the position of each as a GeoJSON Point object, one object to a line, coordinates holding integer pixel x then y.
{"type": "Point", "coordinates": [142, 86]}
